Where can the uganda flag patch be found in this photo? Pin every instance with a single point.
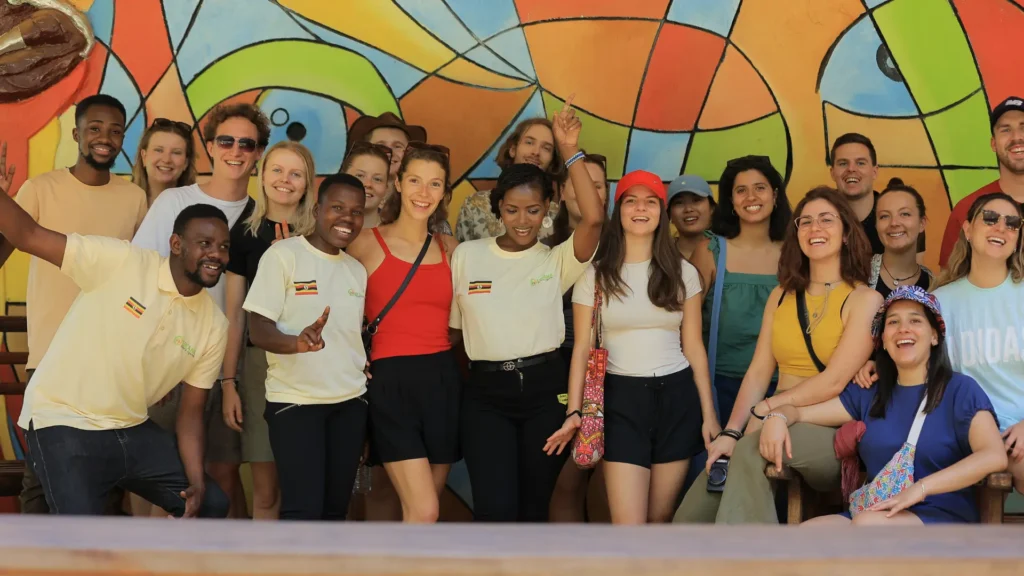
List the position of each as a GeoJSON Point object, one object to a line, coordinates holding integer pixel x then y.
{"type": "Point", "coordinates": [305, 288]}
{"type": "Point", "coordinates": [134, 307]}
{"type": "Point", "coordinates": [480, 287]}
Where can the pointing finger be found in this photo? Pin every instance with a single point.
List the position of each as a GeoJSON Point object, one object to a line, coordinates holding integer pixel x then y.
{"type": "Point", "coordinates": [568, 103]}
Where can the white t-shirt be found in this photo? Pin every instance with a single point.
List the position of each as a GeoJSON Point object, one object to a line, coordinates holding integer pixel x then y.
{"type": "Point", "coordinates": [155, 231]}
{"type": "Point", "coordinates": [641, 338]}
{"type": "Point", "coordinates": [294, 283]}
{"type": "Point", "coordinates": [509, 304]}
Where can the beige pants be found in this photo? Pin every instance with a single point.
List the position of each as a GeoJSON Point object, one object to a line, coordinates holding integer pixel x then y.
{"type": "Point", "coordinates": [748, 496]}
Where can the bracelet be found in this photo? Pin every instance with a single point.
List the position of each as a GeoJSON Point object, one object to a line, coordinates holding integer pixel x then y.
{"type": "Point", "coordinates": [232, 379]}
{"type": "Point", "coordinates": [768, 404]}
{"type": "Point", "coordinates": [575, 158]}
{"type": "Point", "coordinates": [734, 434]}
{"type": "Point", "coordinates": [754, 414]}
{"type": "Point", "coordinates": [776, 415]}
{"type": "Point", "coordinates": [576, 412]}
{"type": "Point", "coordinates": [924, 493]}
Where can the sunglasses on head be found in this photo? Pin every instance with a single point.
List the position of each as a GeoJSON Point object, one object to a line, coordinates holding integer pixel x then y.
{"type": "Point", "coordinates": [167, 123]}
{"type": "Point", "coordinates": [435, 147]}
{"type": "Point", "coordinates": [228, 142]}
{"type": "Point", "coordinates": [991, 218]}
{"type": "Point", "coordinates": [363, 147]}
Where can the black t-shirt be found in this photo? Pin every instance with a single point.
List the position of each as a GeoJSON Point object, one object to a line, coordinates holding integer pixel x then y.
{"type": "Point", "coordinates": [246, 249]}
{"type": "Point", "coordinates": [924, 281]}
{"type": "Point", "coordinates": [876, 242]}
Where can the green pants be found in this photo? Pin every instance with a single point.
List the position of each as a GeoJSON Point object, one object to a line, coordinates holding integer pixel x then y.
{"type": "Point", "coordinates": [748, 496]}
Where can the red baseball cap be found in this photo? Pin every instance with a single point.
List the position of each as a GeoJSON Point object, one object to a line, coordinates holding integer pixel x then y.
{"type": "Point", "coordinates": [641, 178]}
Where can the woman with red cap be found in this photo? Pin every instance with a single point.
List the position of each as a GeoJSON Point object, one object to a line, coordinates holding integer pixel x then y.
{"type": "Point", "coordinates": [658, 407]}
{"type": "Point", "coordinates": [508, 305]}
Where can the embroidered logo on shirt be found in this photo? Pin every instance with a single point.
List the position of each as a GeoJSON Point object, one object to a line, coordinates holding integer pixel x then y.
{"type": "Point", "coordinates": [352, 292]}
{"type": "Point", "coordinates": [544, 278]}
{"type": "Point", "coordinates": [480, 287]}
{"type": "Point", "coordinates": [180, 342]}
{"type": "Point", "coordinates": [134, 307]}
{"type": "Point", "coordinates": [305, 288]}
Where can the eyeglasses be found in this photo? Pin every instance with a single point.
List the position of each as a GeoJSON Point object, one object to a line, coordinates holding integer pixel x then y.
{"type": "Point", "coordinates": [824, 220]}
{"type": "Point", "coordinates": [435, 147]}
{"type": "Point", "coordinates": [167, 123]}
{"type": "Point", "coordinates": [228, 142]}
{"type": "Point", "coordinates": [365, 147]}
{"type": "Point", "coordinates": [991, 218]}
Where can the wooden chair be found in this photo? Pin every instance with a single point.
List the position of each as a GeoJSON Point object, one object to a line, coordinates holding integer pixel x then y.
{"type": "Point", "coordinates": [806, 503]}
{"type": "Point", "coordinates": [11, 471]}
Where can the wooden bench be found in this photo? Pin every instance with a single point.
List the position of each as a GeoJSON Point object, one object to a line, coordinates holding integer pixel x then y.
{"type": "Point", "coordinates": [12, 471]}
{"type": "Point", "coordinates": [805, 503]}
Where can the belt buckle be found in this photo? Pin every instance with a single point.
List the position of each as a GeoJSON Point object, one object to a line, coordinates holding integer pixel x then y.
{"type": "Point", "coordinates": [508, 366]}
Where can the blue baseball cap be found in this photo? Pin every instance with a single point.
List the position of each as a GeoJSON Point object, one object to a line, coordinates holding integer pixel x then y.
{"type": "Point", "coordinates": [688, 183]}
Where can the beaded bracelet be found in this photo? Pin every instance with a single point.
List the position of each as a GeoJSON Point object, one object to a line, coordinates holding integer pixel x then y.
{"type": "Point", "coordinates": [575, 158]}
{"type": "Point", "coordinates": [777, 415]}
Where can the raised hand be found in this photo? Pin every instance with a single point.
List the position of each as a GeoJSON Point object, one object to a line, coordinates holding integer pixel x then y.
{"type": "Point", "coordinates": [6, 172]}
{"type": "Point", "coordinates": [309, 340]}
{"type": "Point", "coordinates": [281, 232]}
{"type": "Point", "coordinates": [566, 126]}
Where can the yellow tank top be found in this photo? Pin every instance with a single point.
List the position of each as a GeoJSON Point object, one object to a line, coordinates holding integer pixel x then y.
{"type": "Point", "coordinates": [788, 343]}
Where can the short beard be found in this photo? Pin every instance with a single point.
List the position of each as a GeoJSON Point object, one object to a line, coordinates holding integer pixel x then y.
{"type": "Point", "coordinates": [1004, 161]}
{"type": "Point", "coordinates": [197, 278]}
{"type": "Point", "coordinates": [101, 166]}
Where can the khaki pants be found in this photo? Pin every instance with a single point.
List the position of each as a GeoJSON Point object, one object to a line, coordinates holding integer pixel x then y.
{"type": "Point", "coordinates": [748, 496]}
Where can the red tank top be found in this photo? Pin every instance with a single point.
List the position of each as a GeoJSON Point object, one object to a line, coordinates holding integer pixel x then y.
{"type": "Point", "coordinates": [418, 322]}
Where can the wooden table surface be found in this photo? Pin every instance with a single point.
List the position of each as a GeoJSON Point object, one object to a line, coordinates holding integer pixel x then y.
{"type": "Point", "coordinates": [120, 546]}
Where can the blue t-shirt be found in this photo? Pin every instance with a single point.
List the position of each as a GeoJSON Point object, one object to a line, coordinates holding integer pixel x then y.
{"type": "Point", "coordinates": [985, 339]}
{"type": "Point", "coordinates": [943, 441]}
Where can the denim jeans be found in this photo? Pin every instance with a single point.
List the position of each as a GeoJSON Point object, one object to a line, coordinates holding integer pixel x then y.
{"type": "Point", "coordinates": [79, 468]}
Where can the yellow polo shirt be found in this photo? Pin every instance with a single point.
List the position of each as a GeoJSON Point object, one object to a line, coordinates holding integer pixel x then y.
{"type": "Point", "coordinates": [127, 340]}
{"type": "Point", "coordinates": [294, 283]}
{"type": "Point", "coordinates": [509, 304]}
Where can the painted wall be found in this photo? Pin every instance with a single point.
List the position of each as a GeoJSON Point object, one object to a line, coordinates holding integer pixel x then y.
{"type": "Point", "coordinates": [664, 85]}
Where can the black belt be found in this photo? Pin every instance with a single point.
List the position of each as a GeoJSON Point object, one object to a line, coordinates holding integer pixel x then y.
{"type": "Point", "coordinates": [512, 365]}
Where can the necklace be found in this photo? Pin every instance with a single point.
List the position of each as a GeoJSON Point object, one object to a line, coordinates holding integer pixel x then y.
{"type": "Point", "coordinates": [819, 311]}
{"type": "Point", "coordinates": [896, 281]}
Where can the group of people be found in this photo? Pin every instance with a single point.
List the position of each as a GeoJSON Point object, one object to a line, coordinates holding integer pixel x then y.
{"type": "Point", "coordinates": [356, 330]}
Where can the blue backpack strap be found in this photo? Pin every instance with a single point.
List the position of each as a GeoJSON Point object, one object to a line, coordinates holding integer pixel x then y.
{"type": "Point", "coordinates": [716, 312]}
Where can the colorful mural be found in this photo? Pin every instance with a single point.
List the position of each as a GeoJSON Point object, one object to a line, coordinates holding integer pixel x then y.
{"type": "Point", "coordinates": [665, 85]}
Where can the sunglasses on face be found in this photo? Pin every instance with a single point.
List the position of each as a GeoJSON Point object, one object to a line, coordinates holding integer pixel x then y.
{"type": "Point", "coordinates": [364, 147]}
{"type": "Point", "coordinates": [991, 218]}
{"type": "Point", "coordinates": [167, 123]}
{"type": "Point", "coordinates": [228, 142]}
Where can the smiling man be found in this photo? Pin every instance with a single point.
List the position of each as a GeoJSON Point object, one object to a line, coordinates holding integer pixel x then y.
{"type": "Point", "coordinates": [82, 199]}
{"type": "Point", "coordinates": [1007, 123]}
{"type": "Point", "coordinates": [141, 325]}
{"type": "Point", "coordinates": [236, 136]}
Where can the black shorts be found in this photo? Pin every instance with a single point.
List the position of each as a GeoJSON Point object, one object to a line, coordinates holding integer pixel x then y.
{"type": "Point", "coordinates": [414, 408]}
{"type": "Point", "coordinates": [652, 420]}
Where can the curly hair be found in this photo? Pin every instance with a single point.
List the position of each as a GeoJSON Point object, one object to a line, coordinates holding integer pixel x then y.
{"type": "Point", "coordinates": [250, 112]}
{"type": "Point", "coordinates": [854, 256]}
{"type": "Point", "coordinates": [725, 222]}
{"type": "Point", "coordinates": [518, 175]}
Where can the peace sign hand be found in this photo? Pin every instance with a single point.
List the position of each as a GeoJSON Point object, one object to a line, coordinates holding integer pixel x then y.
{"type": "Point", "coordinates": [566, 127]}
{"type": "Point", "coordinates": [309, 340]}
{"type": "Point", "coordinates": [6, 173]}
{"type": "Point", "coordinates": [281, 232]}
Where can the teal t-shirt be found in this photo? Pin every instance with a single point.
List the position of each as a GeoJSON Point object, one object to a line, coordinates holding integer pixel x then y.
{"type": "Point", "coordinates": [985, 337]}
{"type": "Point", "coordinates": [743, 300]}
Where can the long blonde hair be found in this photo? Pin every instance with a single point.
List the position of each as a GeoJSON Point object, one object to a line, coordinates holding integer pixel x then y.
{"type": "Point", "coordinates": [302, 222]}
{"type": "Point", "coordinates": [188, 176]}
{"type": "Point", "coordinates": [959, 264]}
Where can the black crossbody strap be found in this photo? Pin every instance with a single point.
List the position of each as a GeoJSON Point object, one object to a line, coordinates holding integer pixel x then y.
{"type": "Point", "coordinates": [801, 312]}
{"type": "Point", "coordinates": [371, 328]}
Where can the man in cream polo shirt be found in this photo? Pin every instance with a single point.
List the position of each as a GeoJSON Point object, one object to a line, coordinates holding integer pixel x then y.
{"type": "Point", "coordinates": [141, 325]}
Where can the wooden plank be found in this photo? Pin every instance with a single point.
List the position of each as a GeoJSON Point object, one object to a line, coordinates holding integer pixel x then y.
{"type": "Point", "coordinates": [33, 546]}
{"type": "Point", "coordinates": [12, 387]}
{"type": "Point", "coordinates": [13, 324]}
{"type": "Point", "coordinates": [13, 357]}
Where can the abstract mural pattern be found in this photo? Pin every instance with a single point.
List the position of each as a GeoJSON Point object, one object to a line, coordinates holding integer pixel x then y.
{"type": "Point", "coordinates": [669, 86]}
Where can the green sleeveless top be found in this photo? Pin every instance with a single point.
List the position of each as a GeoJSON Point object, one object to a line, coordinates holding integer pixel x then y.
{"type": "Point", "coordinates": [743, 300]}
